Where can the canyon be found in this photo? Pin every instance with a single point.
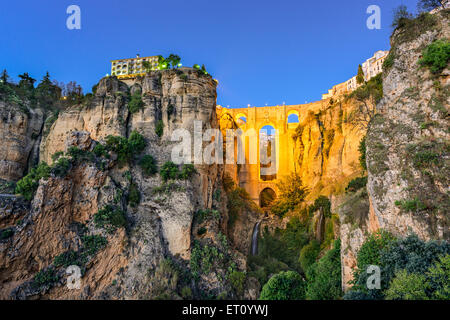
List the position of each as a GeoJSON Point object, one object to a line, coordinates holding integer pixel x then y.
{"type": "Point", "coordinates": [159, 252]}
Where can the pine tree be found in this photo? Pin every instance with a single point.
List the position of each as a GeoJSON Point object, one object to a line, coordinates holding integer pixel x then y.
{"type": "Point", "coordinates": [360, 76]}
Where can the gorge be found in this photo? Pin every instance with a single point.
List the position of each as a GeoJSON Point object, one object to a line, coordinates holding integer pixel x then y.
{"type": "Point", "coordinates": [93, 185]}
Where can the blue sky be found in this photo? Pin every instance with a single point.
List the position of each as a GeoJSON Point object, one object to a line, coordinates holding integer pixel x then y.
{"type": "Point", "coordinates": [262, 52]}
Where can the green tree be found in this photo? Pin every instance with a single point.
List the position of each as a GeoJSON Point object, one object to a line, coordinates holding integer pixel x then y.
{"type": "Point", "coordinates": [47, 93]}
{"type": "Point", "coordinates": [362, 153]}
{"type": "Point", "coordinates": [148, 165]}
{"type": "Point", "coordinates": [308, 255]}
{"type": "Point", "coordinates": [286, 285]}
{"type": "Point", "coordinates": [163, 64]}
{"type": "Point", "coordinates": [169, 170]}
{"type": "Point", "coordinates": [4, 77]}
{"type": "Point", "coordinates": [401, 15]}
{"type": "Point", "coordinates": [324, 277]}
{"type": "Point", "coordinates": [436, 56]}
{"type": "Point", "coordinates": [439, 278]}
{"type": "Point", "coordinates": [406, 286]}
{"type": "Point", "coordinates": [174, 60]}
{"type": "Point", "coordinates": [136, 102]}
{"type": "Point", "coordinates": [360, 76]}
{"type": "Point", "coordinates": [26, 81]}
{"type": "Point", "coordinates": [291, 194]}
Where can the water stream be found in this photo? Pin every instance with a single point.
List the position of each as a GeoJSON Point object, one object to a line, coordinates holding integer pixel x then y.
{"type": "Point", "coordinates": [255, 238]}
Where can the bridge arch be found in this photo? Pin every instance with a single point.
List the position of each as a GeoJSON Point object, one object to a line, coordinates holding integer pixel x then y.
{"type": "Point", "coordinates": [266, 197]}
{"type": "Point", "coordinates": [293, 116]}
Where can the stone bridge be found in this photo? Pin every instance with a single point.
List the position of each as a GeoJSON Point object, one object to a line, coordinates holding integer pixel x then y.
{"type": "Point", "coordinates": [284, 119]}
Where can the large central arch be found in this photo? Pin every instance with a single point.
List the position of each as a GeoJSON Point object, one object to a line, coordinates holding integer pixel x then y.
{"type": "Point", "coordinates": [284, 119]}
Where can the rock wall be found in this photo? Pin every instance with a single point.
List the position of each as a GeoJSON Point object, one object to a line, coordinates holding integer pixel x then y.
{"type": "Point", "coordinates": [408, 142]}
{"type": "Point", "coordinates": [20, 128]}
{"type": "Point", "coordinates": [159, 227]}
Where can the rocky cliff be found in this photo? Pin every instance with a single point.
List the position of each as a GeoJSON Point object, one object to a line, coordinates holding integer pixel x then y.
{"type": "Point", "coordinates": [407, 149]}
{"type": "Point", "coordinates": [20, 129]}
{"type": "Point", "coordinates": [143, 256]}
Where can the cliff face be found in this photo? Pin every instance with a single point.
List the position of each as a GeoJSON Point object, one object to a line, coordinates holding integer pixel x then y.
{"type": "Point", "coordinates": [326, 148]}
{"type": "Point", "coordinates": [408, 142]}
{"type": "Point", "coordinates": [407, 151]}
{"type": "Point", "coordinates": [20, 129]}
{"type": "Point", "coordinates": [126, 263]}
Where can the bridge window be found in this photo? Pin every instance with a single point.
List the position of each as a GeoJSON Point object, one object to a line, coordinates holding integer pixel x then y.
{"type": "Point", "coordinates": [266, 197]}
{"type": "Point", "coordinates": [267, 155]}
{"type": "Point", "coordinates": [293, 118]}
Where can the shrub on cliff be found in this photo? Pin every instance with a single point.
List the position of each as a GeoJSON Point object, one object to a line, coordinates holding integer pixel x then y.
{"type": "Point", "coordinates": [136, 102]}
{"type": "Point", "coordinates": [356, 184]}
{"type": "Point", "coordinates": [159, 129]}
{"type": "Point", "coordinates": [187, 171]}
{"type": "Point", "coordinates": [411, 254]}
{"type": "Point", "coordinates": [148, 165]}
{"type": "Point", "coordinates": [436, 56]}
{"type": "Point", "coordinates": [110, 218]}
{"type": "Point", "coordinates": [291, 194]}
{"type": "Point", "coordinates": [324, 277]}
{"type": "Point", "coordinates": [134, 196]}
{"type": "Point", "coordinates": [125, 148]}
{"type": "Point", "coordinates": [28, 184]}
{"type": "Point", "coordinates": [169, 171]}
{"type": "Point", "coordinates": [288, 285]}
{"type": "Point", "coordinates": [308, 255]}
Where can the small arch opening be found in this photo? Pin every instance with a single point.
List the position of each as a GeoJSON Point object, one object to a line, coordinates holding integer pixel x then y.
{"type": "Point", "coordinates": [293, 118]}
{"type": "Point", "coordinates": [267, 197]}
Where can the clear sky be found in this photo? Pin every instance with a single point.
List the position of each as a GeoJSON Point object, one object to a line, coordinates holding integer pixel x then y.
{"type": "Point", "coordinates": [262, 52]}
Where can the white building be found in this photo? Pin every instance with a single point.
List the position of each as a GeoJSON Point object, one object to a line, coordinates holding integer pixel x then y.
{"type": "Point", "coordinates": [374, 65]}
{"type": "Point", "coordinates": [371, 67]}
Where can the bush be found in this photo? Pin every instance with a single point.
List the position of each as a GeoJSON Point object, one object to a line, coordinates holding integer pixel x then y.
{"type": "Point", "coordinates": [93, 243]}
{"type": "Point", "coordinates": [436, 56]}
{"type": "Point", "coordinates": [134, 196]}
{"type": "Point", "coordinates": [362, 153]}
{"type": "Point", "coordinates": [411, 254]}
{"type": "Point", "coordinates": [125, 148]}
{"type": "Point", "coordinates": [439, 278]}
{"type": "Point", "coordinates": [135, 103]}
{"type": "Point", "coordinates": [187, 171]}
{"type": "Point", "coordinates": [136, 142]}
{"type": "Point", "coordinates": [159, 129]}
{"type": "Point", "coordinates": [46, 277]}
{"type": "Point", "coordinates": [68, 258]}
{"type": "Point", "coordinates": [168, 171]}
{"type": "Point", "coordinates": [414, 205]}
{"type": "Point", "coordinates": [28, 184]}
{"type": "Point", "coordinates": [6, 233]}
{"type": "Point", "coordinates": [291, 194]}
{"type": "Point", "coordinates": [110, 218]}
{"type": "Point", "coordinates": [324, 277]}
{"type": "Point", "coordinates": [61, 167]}
{"type": "Point", "coordinates": [308, 255]}
{"type": "Point", "coordinates": [323, 203]}
{"type": "Point", "coordinates": [201, 231]}
{"type": "Point", "coordinates": [237, 280]}
{"type": "Point", "coordinates": [356, 184]}
{"type": "Point", "coordinates": [407, 286]}
{"type": "Point", "coordinates": [148, 165]}
{"type": "Point", "coordinates": [286, 285]}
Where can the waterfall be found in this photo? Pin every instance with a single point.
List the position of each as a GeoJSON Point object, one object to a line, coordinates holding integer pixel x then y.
{"type": "Point", "coordinates": [255, 238]}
